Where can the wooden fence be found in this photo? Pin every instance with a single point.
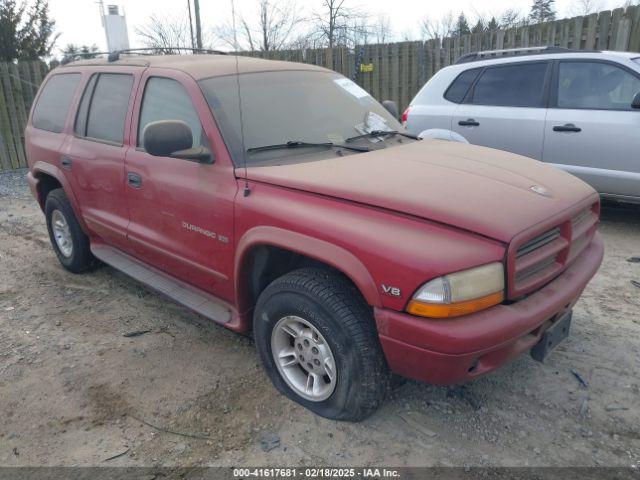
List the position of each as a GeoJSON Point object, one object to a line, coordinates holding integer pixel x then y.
{"type": "Point", "coordinates": [19, 84]}
{"type": "Point", "coordinates": [394, 71]}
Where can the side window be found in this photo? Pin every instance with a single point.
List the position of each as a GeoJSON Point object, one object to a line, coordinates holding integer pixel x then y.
{"type": "Point", "coordinates": [460, 86]}
{"type": "Point", "coordinates": [106, 110]}
{"type": "Point", "coordinates": [167, 99]}
{"type": "Point", "coordinates": [595, 85]}
{"type": "Point", "coordinates": [54, 102]}
{"type": "Point", "coordinates": [517, 85]}
{"type": "Point", "coordinates": [83, 110]}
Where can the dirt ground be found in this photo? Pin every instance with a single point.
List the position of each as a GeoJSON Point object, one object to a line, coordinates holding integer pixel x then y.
{"type": "Point", "coordinates": [74, 390]}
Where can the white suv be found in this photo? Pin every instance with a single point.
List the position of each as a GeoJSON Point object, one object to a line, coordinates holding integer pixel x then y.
{"type": "Point", "coordinates": [578, 110]}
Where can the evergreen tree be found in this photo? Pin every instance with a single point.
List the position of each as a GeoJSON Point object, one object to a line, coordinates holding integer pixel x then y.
{"type": "Point", "coordinates": [25, 32]}
{"type": "Point", "coordinates": [83, 51]}
{"type": "Point", "coordinates": [493, 24]}
{"type": "Point", "coordinates": [462, 26]}
{"type": "Point", "coordinates": [479, 27]}
{"type": "Point", "coordinates": [542, 11]}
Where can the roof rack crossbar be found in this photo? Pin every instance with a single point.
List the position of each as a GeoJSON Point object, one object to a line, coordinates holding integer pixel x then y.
{"type": "Point", "coordinates": [509, 52]}
{"type": "Point", "coordinates": [115, 55]}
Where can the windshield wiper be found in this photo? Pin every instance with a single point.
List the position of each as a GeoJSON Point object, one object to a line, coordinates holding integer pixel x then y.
{"type": "Point", "coordinates": [298, 144]}
{"type": "Point", "coordinates": [381, 133]}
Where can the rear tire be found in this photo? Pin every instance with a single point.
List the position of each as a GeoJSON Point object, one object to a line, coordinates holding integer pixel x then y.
{"type": "Point", "coordinates": [332, 339]}
{"type": "Point", "coordinates": [67, 238]}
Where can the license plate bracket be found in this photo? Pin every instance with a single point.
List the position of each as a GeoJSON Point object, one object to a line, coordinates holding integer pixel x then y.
{"type": "Point", "coordinates": [552, 337]}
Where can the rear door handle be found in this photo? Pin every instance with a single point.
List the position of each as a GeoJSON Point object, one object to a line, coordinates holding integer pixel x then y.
{"type": "Point", "coordinates": [569, 127]}
{"type": "Point", "coordinates": [67, 163]}
{"type": "Point", "coordinates": [469, 123]}
{"type": "Point", "coordinates": [134, 180]}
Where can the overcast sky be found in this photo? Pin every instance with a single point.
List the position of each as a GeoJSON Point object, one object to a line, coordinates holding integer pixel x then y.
{"type": "Point", "coordinates": [78, 21]}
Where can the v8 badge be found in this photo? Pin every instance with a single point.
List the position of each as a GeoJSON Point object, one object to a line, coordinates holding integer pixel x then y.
{"type": "Point", "coordinates": [392, 291]}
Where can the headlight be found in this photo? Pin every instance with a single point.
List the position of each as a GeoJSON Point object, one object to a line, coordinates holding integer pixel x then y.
{"type": "Point", "coordinates": [460, 293]}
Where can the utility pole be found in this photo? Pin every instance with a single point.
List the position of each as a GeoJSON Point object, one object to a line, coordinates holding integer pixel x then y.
{"type": "Point", "coordinates": [193, 45]}
{"type": "Point", "coordinates": [196, 7]}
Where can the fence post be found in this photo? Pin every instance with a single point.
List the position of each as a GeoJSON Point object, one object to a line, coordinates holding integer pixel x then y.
{"type": "Point", "coordinates": [633, 13]}
{"type": "Point", "coordinates": [604, 23]}
{"type": "Point", "coordinates": [592, 26]}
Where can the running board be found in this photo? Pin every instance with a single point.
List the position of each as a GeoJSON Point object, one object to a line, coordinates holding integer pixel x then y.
{"type": "Point", "coordinates": [203, 303]}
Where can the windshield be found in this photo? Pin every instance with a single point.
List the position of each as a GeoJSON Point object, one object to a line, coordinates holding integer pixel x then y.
{"type": "Point", "coordinates": [292, 106]}
{"type": "Point", "coordinates": [637, 60]}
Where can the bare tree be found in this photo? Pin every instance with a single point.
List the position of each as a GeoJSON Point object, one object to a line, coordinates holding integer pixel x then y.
{"type": "Point", "coordinates": [272, 28]}
{"type": "Point", "coordinates": [438, 28]}
{"type": "Point", "coordinates": [382, 31]}
{"type": "Point", "coordinates": [163, 33]}
{"type": "Point", "coordinates": [511, 18]}
{"type": "Point", "coordinates": [339, 25]}
{"type": "Point", "coordinates": [585, 7]}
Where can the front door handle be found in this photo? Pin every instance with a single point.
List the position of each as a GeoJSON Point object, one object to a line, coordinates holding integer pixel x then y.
{"type": "Point", "coordinates": [134, 180]}
{"type": "Point", "coordinates": [469, 123]}
{"type": "Point", "coordinates": [569, 127]}
{"type": "Point", "coordinates": [66, 163]}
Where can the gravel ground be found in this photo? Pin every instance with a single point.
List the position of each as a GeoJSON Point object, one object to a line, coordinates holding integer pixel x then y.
{"type": "Point", "coordinates": [76, 391]}
{"type": "Point", "coordinates": [13, 184]}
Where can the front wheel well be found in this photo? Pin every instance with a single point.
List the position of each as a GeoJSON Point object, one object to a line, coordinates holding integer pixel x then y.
{"type": "Point", "coordinates": [266, 263]}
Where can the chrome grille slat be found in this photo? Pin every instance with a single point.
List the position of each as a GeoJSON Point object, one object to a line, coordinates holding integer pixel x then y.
{"type": "Point", "coordinates": [538, 242]}
{"type": "Point", "coordinates": [580, 217]}
{"type": "Point", "coordinates": [537, 268]}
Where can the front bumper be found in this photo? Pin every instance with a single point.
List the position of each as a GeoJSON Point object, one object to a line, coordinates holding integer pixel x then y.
{"type": "Point", "coordinates": [445, 352]}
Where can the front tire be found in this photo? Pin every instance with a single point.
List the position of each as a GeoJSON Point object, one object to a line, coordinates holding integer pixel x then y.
{"type": "Point", "coordinates": [67, 238]}
{"type": "Point", "coordinates": [317, 341]}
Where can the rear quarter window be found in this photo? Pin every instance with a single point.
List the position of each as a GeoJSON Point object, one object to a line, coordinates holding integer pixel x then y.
{"type": "Point", "coordinates": [52, 107]}
{"type": "Point", "coordinates": [460, 86]}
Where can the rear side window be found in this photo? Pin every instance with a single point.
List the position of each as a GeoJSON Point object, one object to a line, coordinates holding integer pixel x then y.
{"type": "Point", "coordinates": [54, 102]}
{"type": "Point", "coordinates": [108, 107]}
{"type": "Point", "coordinates": [461, 84]}
{"type": "Point", "coordinates": [518, 85]}
{"type": "Point", "coordinates": [167, 99]}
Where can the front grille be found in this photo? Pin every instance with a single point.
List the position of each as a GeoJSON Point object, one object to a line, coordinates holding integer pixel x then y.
{"type": "Point", "coordinates": [539, 259]}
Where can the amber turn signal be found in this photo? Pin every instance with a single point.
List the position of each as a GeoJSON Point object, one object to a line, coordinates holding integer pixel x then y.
{"type": "Point", "coordinates": [452, 310]}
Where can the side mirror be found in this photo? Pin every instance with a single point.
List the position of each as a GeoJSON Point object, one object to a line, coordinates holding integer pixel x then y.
{"type": "Point", "coordinates": [392, 108]}
{"type": "Point", "coordinates": [173, 138]}
{"type": "Point", "coordinates": [636, 101]}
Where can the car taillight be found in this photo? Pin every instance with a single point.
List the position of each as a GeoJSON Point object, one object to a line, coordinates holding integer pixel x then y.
{"type": "Point", "coordinates": [405, 115]}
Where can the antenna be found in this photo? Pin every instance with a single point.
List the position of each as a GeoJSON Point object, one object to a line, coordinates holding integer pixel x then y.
{"type": "Point", "coordinates": [247, 190]}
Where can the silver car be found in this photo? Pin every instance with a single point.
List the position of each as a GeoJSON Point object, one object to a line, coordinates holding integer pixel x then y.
{"type": "Point", "coordinates": [578, 110]}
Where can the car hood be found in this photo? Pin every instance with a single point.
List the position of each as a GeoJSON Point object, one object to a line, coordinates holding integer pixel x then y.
{"type": "Point", "coordinates": [479, 189]}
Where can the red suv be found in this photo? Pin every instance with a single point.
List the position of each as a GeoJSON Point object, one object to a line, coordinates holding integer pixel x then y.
{"type": "Point", "coordinates": [282, 198]}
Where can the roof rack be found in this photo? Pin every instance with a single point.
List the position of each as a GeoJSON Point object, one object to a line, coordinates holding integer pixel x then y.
{"type": "Point", "coordinates": [70, 57]}
{"type": "Point", "coordinates": [511, 52]}
{"type": "Point", "coordinates": [115, 55]}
